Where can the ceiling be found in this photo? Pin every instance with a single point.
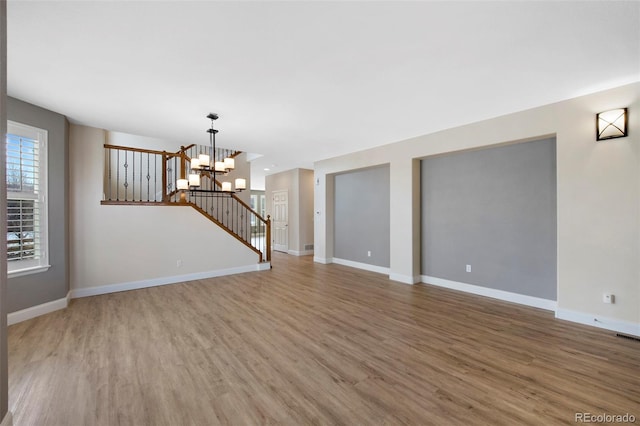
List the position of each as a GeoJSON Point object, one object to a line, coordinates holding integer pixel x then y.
{"type": "Point", "coordinates": [298, 82]}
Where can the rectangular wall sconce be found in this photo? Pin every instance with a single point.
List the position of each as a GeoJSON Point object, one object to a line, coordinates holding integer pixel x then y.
{"type": "Point", "coordinates": [611, 124]}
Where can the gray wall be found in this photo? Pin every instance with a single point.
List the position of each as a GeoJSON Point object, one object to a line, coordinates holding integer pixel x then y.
{"type": "Point", "coordinates": [362, 216]}
{"type": "Point", "coordinates": [494, 209]}
{"type": "Point", "coordinates": [35, 289]}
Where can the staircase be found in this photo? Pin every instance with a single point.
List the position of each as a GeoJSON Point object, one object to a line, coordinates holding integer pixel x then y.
{"type": "Point", "coordinates": [148, 178]}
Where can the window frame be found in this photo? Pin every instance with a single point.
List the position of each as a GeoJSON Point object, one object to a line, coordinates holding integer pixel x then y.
{"type": "Point", "coordinates": [17, 268]}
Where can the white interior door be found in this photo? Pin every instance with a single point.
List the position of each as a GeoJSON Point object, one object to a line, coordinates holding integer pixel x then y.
{"type": "Point", "coordinates": [280, 221]}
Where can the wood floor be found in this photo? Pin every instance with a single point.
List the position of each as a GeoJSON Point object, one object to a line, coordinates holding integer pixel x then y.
{"type": "Point", "coordinates": [307, 343]}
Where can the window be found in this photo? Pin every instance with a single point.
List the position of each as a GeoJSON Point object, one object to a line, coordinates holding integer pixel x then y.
{"type": "Point", "coordinates": [26, 174]}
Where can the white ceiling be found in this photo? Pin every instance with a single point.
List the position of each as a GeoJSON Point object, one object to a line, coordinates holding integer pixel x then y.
{"type": "Point", "coordinates": [303, 81]}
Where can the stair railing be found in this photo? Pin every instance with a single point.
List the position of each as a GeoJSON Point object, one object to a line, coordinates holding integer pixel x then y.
{"type": "Point", "coordinates": [147, 177]}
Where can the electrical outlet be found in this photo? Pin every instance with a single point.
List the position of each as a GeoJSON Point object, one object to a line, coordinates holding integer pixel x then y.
{"type": "Point", "coordinates": [608, 298]}
{"type": "Point", "coordinates": [179, 263]}
{"type": "Point", "coordinates": [369, 253]}
{"type": "Point", "coordinates": [468, 268]}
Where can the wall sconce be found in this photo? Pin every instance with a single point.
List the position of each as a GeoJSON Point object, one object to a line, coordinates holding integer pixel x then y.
{"type": "Point", "coordinates": [611, 124]}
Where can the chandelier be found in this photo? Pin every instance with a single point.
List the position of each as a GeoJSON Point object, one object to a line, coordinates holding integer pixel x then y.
{"type": "Point", "coordinates": [207, 164]}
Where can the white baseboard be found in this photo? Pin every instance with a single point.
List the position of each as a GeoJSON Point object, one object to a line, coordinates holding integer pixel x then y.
{"type": "Point", "coordinates": [360, 265]}
{"type": "Point", "coordinates": [300, 253]}
{"type": "Point", "coordinates": [404, 279]}
{"type": "Point", "coordinates": [322, 260]}
{"type": "Point", "coordinates": [36, 311]}
{"type": "Point", "coordinates": [264, 266]}
{"type": "Point", "coordinates": [507, 296]}
{"type": "Point", "coordinates": [135, 285]}
{"type": "Point", "coordinates": [626, 327]}
{"type": "Point", "coordinates": [8, 419]}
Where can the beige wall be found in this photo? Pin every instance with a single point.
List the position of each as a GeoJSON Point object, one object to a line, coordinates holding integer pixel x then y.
{"type": "Point", "coordinates": [242, 170]}
{"type": "Point", "coordinates": [598, 200]}
{"type": "Point", "coordinates": [123, 244]}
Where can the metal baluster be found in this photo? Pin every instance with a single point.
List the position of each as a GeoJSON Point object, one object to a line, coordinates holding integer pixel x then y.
{"type": "Point", "coordinates": [170, 174]}
{"type": "Point", "coordinates": [133, 176]}
{"type": "Point", "coordinates": [148, 177]}
{"type": "Point", "coordinates": [155, 178]}
{"type": "Point", "coordinates": [109, 150]}
{"type": "Point", "coordinates": [126, 175]}
{"type": "Point", "coordinates": [140, 190]}
{"type": "Point", "coordinates": [117, 174]}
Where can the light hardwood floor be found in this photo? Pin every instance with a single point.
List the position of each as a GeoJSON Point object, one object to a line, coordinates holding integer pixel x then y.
{"type": "Point", "coordinates": [307, 343]}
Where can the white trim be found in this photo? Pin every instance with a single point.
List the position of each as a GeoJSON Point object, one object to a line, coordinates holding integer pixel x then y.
{"type": "Point", "coordinates": [38, 310]}
{"type": "Point", "coordinates": [404, 279]}
{"type": "Point", "coordinates": [8, 419]}
{"type": "Point", "coordinates": [626, 327]}
{"type": "Point", "coordinates": [135, 285]}
{"type": "Point", "coordinates": [507, 296]}
{"type": "Point", "coordinates": [323, 260]}
{"type": "Point", "coordinates": [28, 271]}
{"type": "Point", "coordinates": [264, 266]}
{"type": "Point", "coordinates": [360, 265]}
{"type": "Point", "coordinates": [300, 253]}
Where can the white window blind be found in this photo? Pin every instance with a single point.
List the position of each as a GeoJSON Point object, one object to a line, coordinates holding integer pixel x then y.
{"type": "Point", "coordinates": [26, 149]}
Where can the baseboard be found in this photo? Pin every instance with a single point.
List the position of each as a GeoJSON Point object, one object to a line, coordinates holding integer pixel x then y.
{"type": "Point", "coordinates": [360, 265]}
{"type": "Point", "coordinates": [300, 253]}
{"type": "Point", "coordinates": [626, 327]}
{"type": "Point", "coordinates": [536, 302]}
{"type": "Point", "coordinates": [404, 279]}
{"type": "Point", "coordinates": [322, 260]}
{"type": "Point", "coordinates": [8, 419]}
{"type": "Point", "coordinates": [264, 266]}
{"type": "Point", "coordinates": [135, 285]}
{"type": "Point", "coordinates": [38, 310]}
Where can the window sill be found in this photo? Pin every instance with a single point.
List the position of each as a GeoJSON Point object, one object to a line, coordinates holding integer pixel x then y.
{"type": "Point", "coordinates": [28, 271]}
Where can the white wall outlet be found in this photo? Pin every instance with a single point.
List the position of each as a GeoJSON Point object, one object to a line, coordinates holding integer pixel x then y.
{"type": "Point", "coordinates": [179, 263]}
{"type": "Point", "coordinates": [608, 298]}
{"type": "Point", "coordinates": [369, 253]}
{"type": "Point", "coordinates": [468, 268]}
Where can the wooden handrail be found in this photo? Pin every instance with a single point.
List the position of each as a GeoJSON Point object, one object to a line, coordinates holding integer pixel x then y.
{"type": "Point", "coordinates": [248, 207]}
{"type": "Point", "coordinates": [221, 225]}
{"type": "Point", "coordinates": [238, 199]}
{"type": "Point", "coordinates": [126, 148]}
{"type": "Point", "coordinates": [147, 151]}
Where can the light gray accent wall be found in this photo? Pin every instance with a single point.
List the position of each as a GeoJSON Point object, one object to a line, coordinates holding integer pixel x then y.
{"type": "Point", "coordinates": [362, 216]}
{"type": "Point", "coordinates": [35, 289]}
{"type": "Point", "coordinates": [493, 209]}
{"type": "Point", "coordinates": [4, 376]}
